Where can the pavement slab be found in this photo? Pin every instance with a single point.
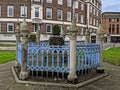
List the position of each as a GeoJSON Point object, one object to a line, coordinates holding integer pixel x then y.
{"type": "Point", "coordinates": [111, 82]}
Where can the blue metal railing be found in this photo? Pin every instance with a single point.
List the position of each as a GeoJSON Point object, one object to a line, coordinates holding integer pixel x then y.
{"type": "Point", "coordinates": [19, 52]}
{"type": "Point", "coordinates": [45, 58]}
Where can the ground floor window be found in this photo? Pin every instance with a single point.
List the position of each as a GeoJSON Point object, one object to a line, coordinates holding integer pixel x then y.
{"type": "Point", "coordinates": [48, 28]}
{"type": "Point", "coordinates": [10, 27]}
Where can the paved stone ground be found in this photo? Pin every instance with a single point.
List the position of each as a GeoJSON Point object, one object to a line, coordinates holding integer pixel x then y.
{"type": "Point", "coordinates": [111, 82]}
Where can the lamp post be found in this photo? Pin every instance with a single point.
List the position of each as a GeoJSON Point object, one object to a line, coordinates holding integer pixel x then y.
{"type": "Point", "coordinates": [100, 36]}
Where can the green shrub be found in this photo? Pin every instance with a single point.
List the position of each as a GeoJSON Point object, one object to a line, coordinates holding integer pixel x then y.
{"type": "Point", "coordinates": [56, 30]}
{"type": "Point", "coordinates": [32, 38]}
{"type": "Point", "coordinates": [56, 41]}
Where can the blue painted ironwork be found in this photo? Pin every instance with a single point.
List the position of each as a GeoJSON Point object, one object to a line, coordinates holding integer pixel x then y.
{"type": "Point", "coordinates": [19, 51]}
{"type": "Point", "coordinates": [48, 58]}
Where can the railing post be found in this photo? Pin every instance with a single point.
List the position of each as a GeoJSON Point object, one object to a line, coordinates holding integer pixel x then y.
{"type": "Point", "coordinates": [17, 33]}
{"type": "Point", "coordinates": [100, 36]}
{"type": "Point", "coordinates": [72, 77]}
{"type": "Point", "coordinates": [24, 32]}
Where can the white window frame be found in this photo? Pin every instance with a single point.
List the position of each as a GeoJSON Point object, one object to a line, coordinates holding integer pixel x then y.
{"type": "Point", "coordinates": [91, 20]}
{"type": "Point", "coordinates": [49, 1]}
{"type": "Point", "coordinates": [37, 11]}
{"type": "Point", "coordinates": [50, 28]}
{"type": "Point", "coordinates": [69, 3]}
{"type": "Point", "coordinates": [61, 29]}
{"type": "Point", "coordinates": [36, 26]}
{"type": "Point", "coordinates": [81, 18]}
{"type": "Point", "coordinates": [23, 11]}
{"type": "Point", "coordinates": [60, 2]}
{"type": "Point", "coordinates": [68, 28]}
{"type": "Point", "coordinates": [76, 17]}
{"type": "Point", "coordinates": [12, 24]}
{"type": "Point", "coordinates": [82, 6]}
{"type": "Point", "coordinates": [76, 4]}
{"type": "Point", "coordinates": [68, 16]}
{"type": "Point", "coordinates": [48, 13]}
{"type": "Point", "coordinates": [10, 13]}
{"type": "Point", "coordinates": [59, 14]}
{"type": "Point", "coordinates": [81, 31]}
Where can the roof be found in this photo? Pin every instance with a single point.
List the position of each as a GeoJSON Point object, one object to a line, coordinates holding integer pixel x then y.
{"type": "Point", "coordinates": [110, 13]}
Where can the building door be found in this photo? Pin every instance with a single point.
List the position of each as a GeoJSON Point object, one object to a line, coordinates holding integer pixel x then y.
{"type": "Point", "coordinates": [93, 39]}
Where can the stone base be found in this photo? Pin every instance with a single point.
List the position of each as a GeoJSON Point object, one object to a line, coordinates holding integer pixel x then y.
{"type": "Point", "coordinates": [16, 64]}
{"type": "Point", "coordinates": [100, 70]}
{"type": "Point", "coordinates": [72, 79]}
{"type": "Point", "coordinates": [23, 75]}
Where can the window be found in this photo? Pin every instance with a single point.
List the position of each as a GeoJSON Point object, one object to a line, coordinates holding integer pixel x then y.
{"type": "Point", "coordinates": [113, 30]}
{"type": "Point", "coordinates": [49, 1]}
{"type": "Point", "coordinates": [61, 29]}
{"type": "Point", "coordinates": [113, 20]}
{"type": "Point", "coordinates": [0, 11]}
{"type": "Point", "coordinates": [91, 20]}
{"type": "Point", "coordinates": [10, 27]}
{"type": "Point", "coordinates": [48, 28]}
{"type": "Point", "coordinates": [60, 2]}
{"type": "Point", "coordinates": [59, 14]}
{"type": "Point", "coordinates": [94, 21]}
{"type": "Point", "coordinates": [69, 3]}
{"type": "Point", "coordinates": [91, 9]}
{"type": "Point", "coordinates": [35, 27]}
{"type": "Point", "coordinates": [117, 29]}
{"type": "Point", "coordinates": [82, 6]}
{"type": "Point", "coordinates": [75, 4]}
{"type": "Point", "coordinates": [117, 19]}
{"type": "Point", "coordinates": [68, 28]}
{"type": "Point", "coordinates": [68, 16]}
{"type": "Point", "coordinates": [81, 31]}
{"type": "Point", "coordinates": [76, 17]}
{"type": "Point", "coordinates": [82, 19]}
{"type": "Point", "coordinates": [37, 0]}
{"type": "Point", "coordinates": [36, 12]}
{"type": "Point", "coordinates": [49, 13]}
{"type": "Point", "coordinates": [10, 11]}
{"type": "Point", "coordinates": [23, 11]}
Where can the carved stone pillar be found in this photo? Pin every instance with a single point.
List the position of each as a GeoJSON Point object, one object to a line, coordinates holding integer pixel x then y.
{"type": "Point", "coordinates": [17, 33]}
{"type": "Point", "coordinates": [72, 77]}
{"type": "Point", "coordinates": [24, 32]}
{"type": "Point", "coordinates": [100, 36]}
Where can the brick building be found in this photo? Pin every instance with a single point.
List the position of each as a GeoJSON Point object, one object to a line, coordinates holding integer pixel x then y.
{"type": "Point", "coordinates": [111, 25]}
{"type": "Point", "coordinates": [44, 14]}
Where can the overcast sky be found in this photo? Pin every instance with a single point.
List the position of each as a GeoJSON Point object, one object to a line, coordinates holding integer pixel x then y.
{"type": "Point", "coordinates": [111, 5]}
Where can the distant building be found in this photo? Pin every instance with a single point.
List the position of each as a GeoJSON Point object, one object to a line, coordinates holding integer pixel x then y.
{"type": "Point", "coordinates": [44, 14]}
{"type": "Point", "coordinates": [111, 25]}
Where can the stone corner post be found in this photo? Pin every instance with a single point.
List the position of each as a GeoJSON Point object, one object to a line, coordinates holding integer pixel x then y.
{"type": "Point", "coordinates": [72, 77]}
{"type": "Point", "coordinates": [17, 34]}
{"type": "Point", "coordinates": [38, 36]}
{"type": "Point", "coordinates": [24, 74]}
{"type": "Point", "coordinates": [100, 36]}
{"type": "Point", "coordinates": [87, 35]}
